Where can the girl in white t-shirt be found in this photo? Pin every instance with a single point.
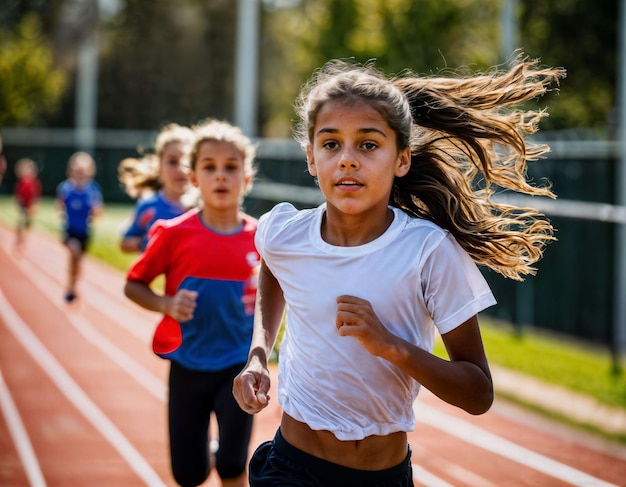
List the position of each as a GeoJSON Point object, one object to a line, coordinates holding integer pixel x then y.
{"type": "Point", "coordinates": [407, 167]}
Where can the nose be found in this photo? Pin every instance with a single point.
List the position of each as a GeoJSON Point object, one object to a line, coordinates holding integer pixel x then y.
{"type": "Point", "coordinates": [347, 160]}
{"type": "Point", "coordinates": [220, 174]}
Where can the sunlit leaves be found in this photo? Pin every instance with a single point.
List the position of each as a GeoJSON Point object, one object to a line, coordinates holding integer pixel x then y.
{"type": "Point", "coordinates": [30, 86]}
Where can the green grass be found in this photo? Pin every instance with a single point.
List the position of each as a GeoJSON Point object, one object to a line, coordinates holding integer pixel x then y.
{"type": "Point", "coordinates": [560, 361]}
{"type": "Point", "coordinates": [557, 360]}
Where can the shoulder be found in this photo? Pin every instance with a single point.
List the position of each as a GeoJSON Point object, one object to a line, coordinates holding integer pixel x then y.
{"type": "Point", "coordinates": [418, 225]}
{"type": "Point", "coordinates": [174, 226]}
{"type": "Point", "coordinates": [189, 219]}
{"type": "Point", "coordinates": [284, 225]}
{"type": "Point", "coordinates": [249, 223]}
{"type": "Point", "coordinates": [94, 186]}
{"type": "Point", "coordinates": [65, 188]}
{"type": "Point", "coordinates": [285, 214]}
{"type": "Point", "coordinates": [145, 203]}
{"type": "Point", "coordinates": [423, 236]}
{"type": "Point", "coordinates": [64, 185]}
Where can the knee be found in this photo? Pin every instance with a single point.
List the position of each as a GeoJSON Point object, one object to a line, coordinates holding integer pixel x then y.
{"type": "Point", "coordinates": [189, 477]}
{"type": "Point", "coordinates": [230, 470]}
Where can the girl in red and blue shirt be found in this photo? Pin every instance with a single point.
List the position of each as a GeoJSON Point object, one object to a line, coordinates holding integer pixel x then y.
{"type": "Point", "coordinates": [210, 265]}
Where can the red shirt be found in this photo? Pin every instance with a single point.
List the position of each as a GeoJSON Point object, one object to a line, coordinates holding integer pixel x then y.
{"type": "Point", "coordinates": [222, 269]}
{"type": "Point", "coordinates": [27, 191]}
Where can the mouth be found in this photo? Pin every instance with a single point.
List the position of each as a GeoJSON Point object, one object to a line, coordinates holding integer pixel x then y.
{"type": "Point", "coordinates": [349, 184]}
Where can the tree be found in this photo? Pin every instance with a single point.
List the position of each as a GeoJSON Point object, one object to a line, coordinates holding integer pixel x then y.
{"type": "Point", "coordinates": [30, 86]}
{"type": "Point", "coordinates": [580, 35]}
{"type": "Point", "coordinates": [167, 61]}
{"type": "Point", "coordinates": [426, 37]}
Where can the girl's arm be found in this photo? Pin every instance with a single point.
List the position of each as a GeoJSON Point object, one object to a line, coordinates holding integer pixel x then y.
{"type": "Point", "coordinates": [252, 385]}
{"type": "Point", "coordinates": [180, 306]}
{"type": "Point", "coordinates": [130, 244]}
{"type": "Point", "coordinates": [463, 381]}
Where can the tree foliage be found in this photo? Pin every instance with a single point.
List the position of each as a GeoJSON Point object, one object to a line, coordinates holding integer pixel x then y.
{"type": "Point", "coordinates": [168, 61]}
{"type": "Point", "coordinates": [30, 86]}
{"type": "Point", "coordinates": [425, 37]}
{"type": "Point", "coordinates": [580, 35]}
{"type": "Point", "coordinates": [175, 61]}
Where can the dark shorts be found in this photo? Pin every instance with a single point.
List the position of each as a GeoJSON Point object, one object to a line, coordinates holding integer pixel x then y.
{"type": "Point", "coordinates": [24, 220]}
{"type": "Point", "coordinates": [277, 463]}
{"type": "Point", "coordinates": [193, 397]}
{"type": "Point", "coordinates": [81, 238]}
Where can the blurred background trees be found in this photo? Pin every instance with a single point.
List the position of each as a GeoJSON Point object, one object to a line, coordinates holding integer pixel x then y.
{"type": "Point", "coordinates": [165, 61]}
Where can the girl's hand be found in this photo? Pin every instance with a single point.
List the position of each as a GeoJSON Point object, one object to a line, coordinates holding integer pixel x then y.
{"type": "Point", "coordinates": [356, 318]}
{"type": "Point", "coordinates": [182, 305]}
{"type": "Point", "coordinates": [251, 386]}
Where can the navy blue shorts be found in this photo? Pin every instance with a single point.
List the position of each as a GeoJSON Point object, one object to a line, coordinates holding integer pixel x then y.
{"type": "Point", "coordinates": [81, 238]}
{"type": "Point", "coordinates": [277, 463]}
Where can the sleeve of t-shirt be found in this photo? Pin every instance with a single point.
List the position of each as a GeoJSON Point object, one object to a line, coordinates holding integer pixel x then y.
{"type": "Point", "coordinates": [269, 222]}
{"type": "Point", "coordinates": [61, 192]}
{"type": "Point", "coordinates": [95, 195]}
{"type": "Point", "coordinates": [138, 226]}
{"type": "Point", "coordinates": [154, 259]}
{"type": "Point", "coordinates": [453, 286]}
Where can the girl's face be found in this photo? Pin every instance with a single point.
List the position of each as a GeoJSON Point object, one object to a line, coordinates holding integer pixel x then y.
{"type": "Point", "coordinates": [355, 157]}
{"type": "Point", "coordinates": [173, 170]}
{"type": "Point", "coordinates": [220, 175]}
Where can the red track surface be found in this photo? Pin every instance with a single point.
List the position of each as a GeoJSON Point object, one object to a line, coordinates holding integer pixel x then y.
{"type": "Point", "coordinates": [82, 398]}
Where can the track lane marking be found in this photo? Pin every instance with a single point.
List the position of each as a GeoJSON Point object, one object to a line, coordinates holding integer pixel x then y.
{"type": "Point", "coordinates": [76, 395]}
{"type": "Point", "coordinates": [495, 444]}
{"type": "Point", "coordinates": [20, 437]}
{"type": "Point", "coordinates": [146, 379]}
{"type": "Point", "coordinates": [424, 477]}
{"type": "Point", "coordinates": [554, 468]}
{"type": "Point", "coordinates": [106, 305]}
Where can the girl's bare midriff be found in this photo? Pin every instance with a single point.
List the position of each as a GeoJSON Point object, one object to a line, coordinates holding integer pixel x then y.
{"type": "Point", "coordinates": [371, 453]}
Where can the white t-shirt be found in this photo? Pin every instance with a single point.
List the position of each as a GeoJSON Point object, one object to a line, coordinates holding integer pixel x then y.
{"type": "Point", "coordinates": [415, 275]}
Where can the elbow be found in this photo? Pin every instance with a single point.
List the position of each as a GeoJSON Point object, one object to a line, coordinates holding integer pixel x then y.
{"type": "Point", "coordinates": [483, 400]}
{"type": "Point", "coordinates": [127, 290]}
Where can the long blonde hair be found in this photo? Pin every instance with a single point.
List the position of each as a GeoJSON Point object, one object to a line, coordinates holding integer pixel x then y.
{"type": "Point", "coordinates": [139, 175]}
{"type": "Point", "coordinates": [468, 139]}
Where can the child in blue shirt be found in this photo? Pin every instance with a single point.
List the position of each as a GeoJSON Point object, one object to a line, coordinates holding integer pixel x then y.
{"type": "Point", "coordinates": [80, 199]}
{"type": "Point", "coordinates": [159, 181]}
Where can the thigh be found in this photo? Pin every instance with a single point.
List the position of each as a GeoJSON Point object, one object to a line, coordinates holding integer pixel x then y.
{"type": "Point", "coordinates": [189, 416]}
{"type": "Point", "coordinates": [235, 427]}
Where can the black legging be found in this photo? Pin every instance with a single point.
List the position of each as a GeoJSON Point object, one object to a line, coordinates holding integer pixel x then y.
{"type": "Point", "coordinates": [193, 396]}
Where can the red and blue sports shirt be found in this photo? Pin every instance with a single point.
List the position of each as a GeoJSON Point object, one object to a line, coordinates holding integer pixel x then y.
{"type": "Point", "coordinates": [223, 270]}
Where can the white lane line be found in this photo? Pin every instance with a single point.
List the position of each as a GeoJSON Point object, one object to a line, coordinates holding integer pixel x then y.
{"type": "Point", "coordinates": [424, 477]}
{"type": "Point", "coordinates": [138, 326]}
{"type": "Point", "coordinates": [466, 477]}
{"type": "Point", "coordinates": [140, 374]}
{"type": "Point", "coordinates": [495, 444]}
{"type": "Point", "coordinates": [76, 395]}
{"type": "Point", "coordinates": [20, 437]}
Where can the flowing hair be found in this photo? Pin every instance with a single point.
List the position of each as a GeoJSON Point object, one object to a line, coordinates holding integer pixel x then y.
{"type": "Point", "coordinates": [142, 175]}
{"type": "Point", "coordinates": [468, 140]}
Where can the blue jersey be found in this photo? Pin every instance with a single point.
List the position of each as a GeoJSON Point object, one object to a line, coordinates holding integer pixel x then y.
{"type": "Point", "coordinates": [79, 204]}
{"type": "Point", "coordinates": [149, 210]}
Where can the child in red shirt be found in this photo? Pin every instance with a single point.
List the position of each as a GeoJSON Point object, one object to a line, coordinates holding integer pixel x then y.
{"type": "Point", "coordinates": [27, 194]}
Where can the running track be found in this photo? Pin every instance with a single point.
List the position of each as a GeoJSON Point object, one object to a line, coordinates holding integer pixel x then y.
{"type": "Point", "coordinates": [82, 399]}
